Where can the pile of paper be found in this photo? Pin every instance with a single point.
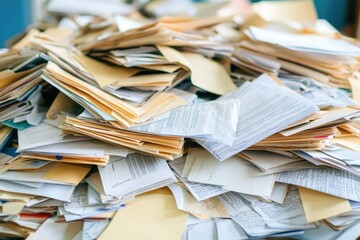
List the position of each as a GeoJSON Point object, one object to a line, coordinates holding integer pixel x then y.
{"type": "Point", "coordinates": [329, 61]}
{"type": "Point", "coordinates": [182, 128]}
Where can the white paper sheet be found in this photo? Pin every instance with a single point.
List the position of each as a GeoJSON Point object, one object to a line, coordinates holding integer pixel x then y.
{"type": "Point", "coordinates": [331, 181]}
{"type": "Point", "coordinates": [266, 108]}
{"type": "Point", "coordinates": [51, 229]}
{"type": "Point", "coordinates": [216, 121]}
{"type": "Point", "coordinates": [266, 160]}
{"type": "Point", "coordinates": [289, 215]}
{"type": "Point", "coordinates": [279, 192]}
{"type": "Point", "coordinates": [227, 229]}
{"type": "Point", "coordinates": [233, 175]}
{"type": "Point", "coordinates": [85, 148]}
{"type": "Point", "coordinates": [198, 190]}
{"type": "Point", "coordinates": [93, 229]}
{"type": "Point", "coordinates": [186, 202]}
{"type": "Point", "coordinates": [252, 223]}
{"type": "Point", "coordinates": [205, 230]}
{"type": "Point", "coordinates": [43, 134]}
{"type": "Point", "coordinates": [55, 191]}
{"type": "Point", "coordinates": [305, 42]}
{"type": "Point", "coordinates": [134, 174]}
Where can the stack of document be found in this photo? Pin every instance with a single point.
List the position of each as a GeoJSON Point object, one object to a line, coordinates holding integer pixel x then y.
{"type": "Point", "coordinates": [147, 77]}
{"type": "Point", "coordinates": [170, 31]}
{"type": "Point", "coordinates": [21, 103]}
{"type": "Point", "coordinates": [146, 47]}
{"type": "Point", "coordinates": [126, 177]}
{"type": "Point", "coordinates": [105, 106]}
{"type": "Point", "coordinates": [191, 128]}
{"type": "Point", "coordinates": [330, 61]}
{"type": "Point", "coordinates": [49, 143]}
{"type": "Point", "coordinates": [312, 139]}
{"type": "Point", "coordinates": [162, 146]}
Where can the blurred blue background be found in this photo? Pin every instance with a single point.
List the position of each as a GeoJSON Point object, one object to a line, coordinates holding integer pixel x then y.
{"type": "Point", "coordinates": [336, 12]}
{"type": "Point", "coordinates": [16, 15]}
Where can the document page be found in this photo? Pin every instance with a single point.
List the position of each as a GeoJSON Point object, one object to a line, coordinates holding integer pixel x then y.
{"type": "Point", "coordinates": [227, 229]}
{"type": "Point", "coordinates": [331, 181]}
{"type": "Point", "coordinates": [203, 230]}
{"type": "Point", "coordinates": [206, 208]}
{"type": "Point", "coordinates": [134, 174]}
{"type": "Point", "coordinates": [306, 43]}
{"type": "Point", "coordinates": [266, 109]}
{"type": "Point", "coordinates": [43, 134]}
{"type": "Point", "coordinates": [252, 223]}
{"type": "Point", "coordinates": [290, 214]}
{"type": "Point", "coordinates": [92, 229]}
{"type": "Point", "coordinates": [198, 190]}
{"type": "Point", "coordinates": [85, 147]}
{"type": "Point", "coordinates": [279, 192]}
{"type": "Point", "coordinates": [216, 120]}
{"type": "Point", "coordinates": [233, 175]}
{"type": "Point", "coordinates": [319, 205]}
{"type": "Point", "coordinates": [55, 191]}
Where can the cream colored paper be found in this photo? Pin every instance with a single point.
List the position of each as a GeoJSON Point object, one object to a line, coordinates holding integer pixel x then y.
{"type": "Point", "coordinates": [152, 216]}
{"type": "Point", "coordinates": [300, 11]}
{"type": "Point", "coordinates": [319, 205]}
{"type": "Point", "coordinates": [205, 73]}
{"type": "Point", "coordinates": [68, 173]}
{"type": "Point", "coordinates": [104, 74]}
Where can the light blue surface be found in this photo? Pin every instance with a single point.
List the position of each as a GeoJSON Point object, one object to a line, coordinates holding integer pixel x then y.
{"type": "Point", "coordinates": [333, 11]}
{"type": "Point", "coordinates": [15, 16]}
